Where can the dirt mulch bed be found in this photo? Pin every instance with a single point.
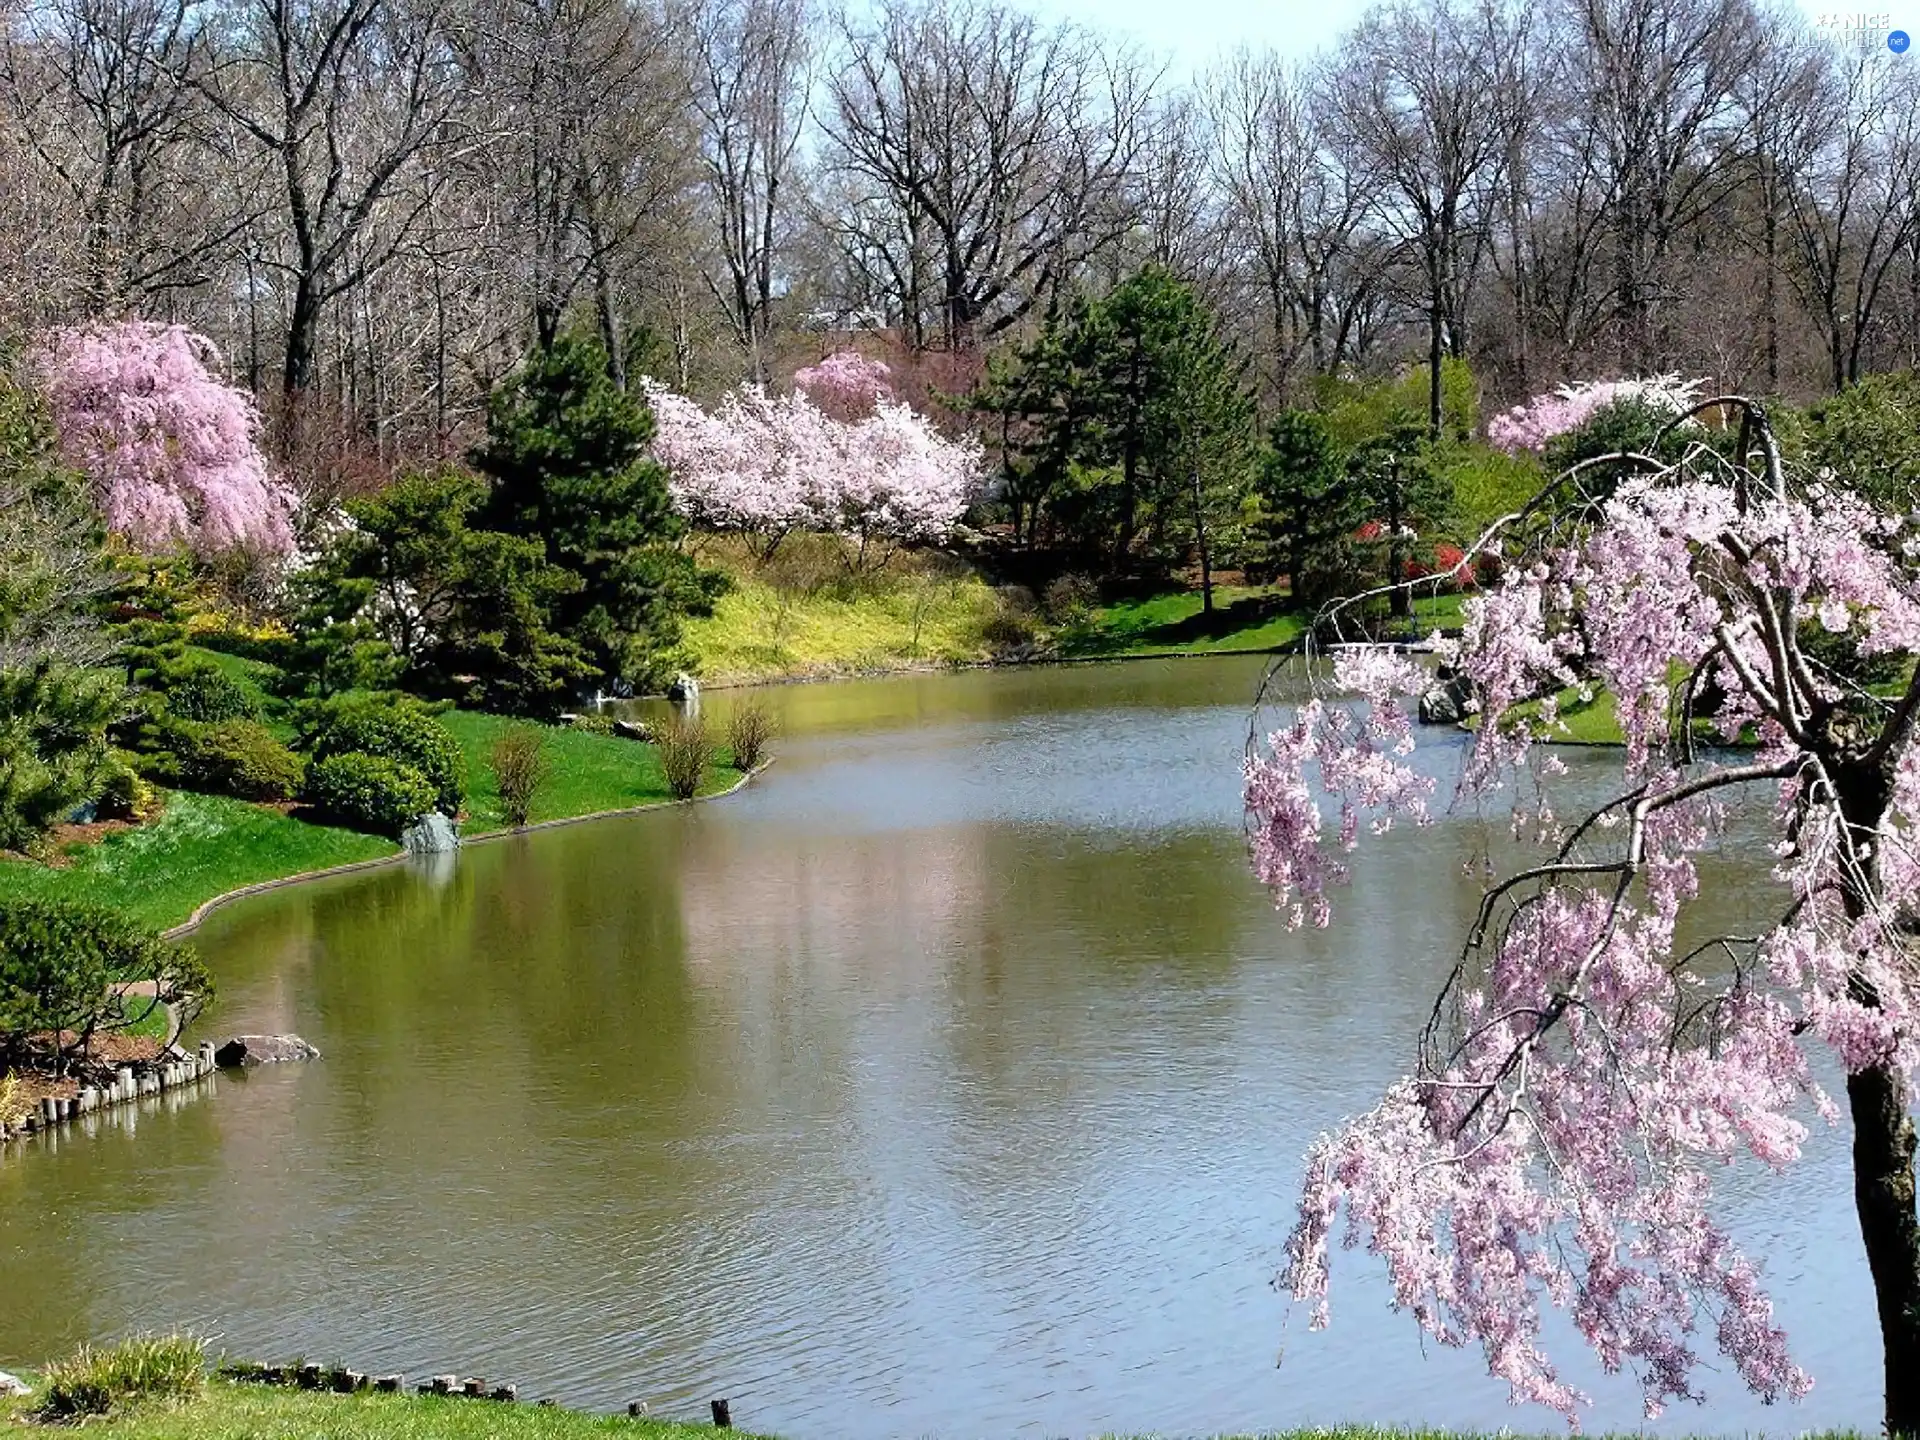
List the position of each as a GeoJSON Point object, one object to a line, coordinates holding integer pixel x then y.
{"type": "Point", "coordinates": [109, 1052]}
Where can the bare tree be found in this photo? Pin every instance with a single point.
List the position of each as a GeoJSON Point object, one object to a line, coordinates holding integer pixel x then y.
{"type": "Point", "coordinates": [1656, 81]}
{"type": "Point", "coordinates": [1297, 208]}
{"type": "Point", "coordinates": [1424, 87]}
{"type": "Point", "coordinates": [751, 72]}
{"type": "Point", "coordinates": [343, 95]}
{"type": "Point", "coordinates": [102, 92]}
{"type": "Point", "coordinates": [1852, 205]}
{"type": "Point", "coordinates": [986, 158]}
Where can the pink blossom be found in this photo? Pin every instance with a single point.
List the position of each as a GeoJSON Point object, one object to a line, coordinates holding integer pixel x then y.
{"type": "Point", "coordinates": [171, 452]}
{"type": "Point", "coordinates": [846, 385]}
{"type": "Point", "coordinates": [1560, 412]}
{"type": "Point", "coordinates": [1588, 1072]}
{"type": "Point", "coordinates": [769, 464]}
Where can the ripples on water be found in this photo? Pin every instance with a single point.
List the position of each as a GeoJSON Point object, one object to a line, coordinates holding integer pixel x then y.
{"type": "Point", "coordinates": [952, 1080]}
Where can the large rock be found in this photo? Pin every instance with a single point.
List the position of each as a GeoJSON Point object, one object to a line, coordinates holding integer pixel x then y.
{"type": "Point", "coordinates": [1446, 703]}
{"type": "Point", "coordinates": [13, 1385]}
{"type": "Point", "coordinates": [632, 730]}
{"type": "Point", "coordinates": [431, 834]}
{"type": "Point", "coordinates": [684, 690]}
{"type": "Point", "coordinates": [263, 1050]}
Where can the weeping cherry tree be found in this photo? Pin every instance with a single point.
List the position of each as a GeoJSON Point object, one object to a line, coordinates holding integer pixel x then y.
{"type": "Point", "coordinates": [1593, 1058]}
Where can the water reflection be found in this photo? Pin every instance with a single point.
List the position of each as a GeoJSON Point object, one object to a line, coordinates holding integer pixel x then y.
{"type": "Point", "coordinates": [951, 1080]}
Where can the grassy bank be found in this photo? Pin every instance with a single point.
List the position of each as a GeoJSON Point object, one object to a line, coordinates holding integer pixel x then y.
{"type": "Point", "coordinates": [1244, 620]}
{"type": "Point", "coordinates": [202, 845]}
{"type": "Point", "coordinates": [251, 1412]}
{"type": "Point", "coordinates": [805, 615]}
{"type": "Point", "coordinates": [254, 1412]}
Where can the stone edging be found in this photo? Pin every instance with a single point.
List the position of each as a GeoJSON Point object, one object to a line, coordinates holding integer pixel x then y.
{"type": "Point", "coordinates": [176, 1070]}
{"type": "Point", "coordinates": [262, 887]}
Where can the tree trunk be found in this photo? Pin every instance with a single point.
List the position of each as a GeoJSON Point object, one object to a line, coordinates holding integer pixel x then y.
{"type": "Point", "coordinates": [1200, 531]}
{"type": "Point", "coordinates": [1883, 1193]}
{"type": "Point", "coordinates": [1433, 363]}
{"type": "Point", "coordinates": [297, 374]}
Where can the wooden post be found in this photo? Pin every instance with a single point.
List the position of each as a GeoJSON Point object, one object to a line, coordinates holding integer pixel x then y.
{"type": "Point", "coordinates": [722, 1416]}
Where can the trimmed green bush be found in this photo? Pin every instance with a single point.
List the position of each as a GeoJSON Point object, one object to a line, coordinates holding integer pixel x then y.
{"type": "Point", "coordinates": [123, 794]}
{"type": "Point", "coordinates": [368, 792]}
{"type": "Point", "coordinates": [405, 734]}
{"type": "Point", "coordinates": [157, 1367]}
{"type": "Point", "coordinates": [241, 758]}
{"type": "Point", "coordinates": [57, 960]}
{"type": "Point", "coordinates": [206, 693]}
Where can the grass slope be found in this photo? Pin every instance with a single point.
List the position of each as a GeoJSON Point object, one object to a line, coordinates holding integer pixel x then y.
{"type": "Point", "coordinates": [760, 631]}
{"type": "Point", "coordinates": [204, 845]}
{"type": "Point", "coordinates": [201, 846]}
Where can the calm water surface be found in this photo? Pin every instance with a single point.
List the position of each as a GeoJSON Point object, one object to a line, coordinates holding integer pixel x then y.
{"type": "Point", "coordinates": [950, 1080]}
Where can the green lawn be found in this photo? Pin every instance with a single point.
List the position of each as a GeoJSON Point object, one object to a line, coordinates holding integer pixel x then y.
{"type": "Point", "coordinates": [587, 773]}
{"type": "Point", "coordinates": [258, 1412]}
{"type": "Point", "coordinates": [1244, 619]}
{"type": "Point", "coordinates": [203, 845]}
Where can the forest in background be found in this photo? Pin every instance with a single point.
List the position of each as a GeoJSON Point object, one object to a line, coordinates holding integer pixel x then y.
{"type": "Point", "coordinates": [375, 208]}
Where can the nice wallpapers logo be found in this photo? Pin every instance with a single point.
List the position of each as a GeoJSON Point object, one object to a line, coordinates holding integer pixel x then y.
{"type": "Point", "coordinates": [1859, 25]}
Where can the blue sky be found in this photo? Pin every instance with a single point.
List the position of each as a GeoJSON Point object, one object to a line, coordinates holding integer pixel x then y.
{"type": "Point", "coordinates": [1190, 33]}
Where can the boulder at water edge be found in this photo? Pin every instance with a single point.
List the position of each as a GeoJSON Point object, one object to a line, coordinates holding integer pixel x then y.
{"type": "Point", "coordinates": [431, 834]}
{"type": "Point", "coordinates": [13, 1385]}
{"type": "Point", "coordinates": [263, 1050]}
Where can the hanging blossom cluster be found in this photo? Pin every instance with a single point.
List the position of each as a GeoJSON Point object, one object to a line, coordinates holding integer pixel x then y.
{"type": "Point", "coordinates": [1562, 411]}
{"type": "Point", "coordinates": [1585, 1074]}
{"type": "Point", "coordinates": [172, 453]}
{"type": "Point", "coordinates": [838, 454]}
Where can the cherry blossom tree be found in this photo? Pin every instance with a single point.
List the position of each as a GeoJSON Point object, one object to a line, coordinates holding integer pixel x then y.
{"type": "Point", "coordinates": [838, 454]}
{"type": "Point", "coordinates": [172, 453]}
{"type": "Point", "coordinates": [1593, 1058]}
{"type": "Point", "coordinates": [1562, 411]}
{"type": "Point", "coordinates": [846, 385]}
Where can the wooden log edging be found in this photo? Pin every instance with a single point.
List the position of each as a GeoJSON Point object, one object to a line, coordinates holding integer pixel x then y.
{"type": "Point", "coordinates": [338, 1380]}
{"type": "Point", "coordinates": [176, 1070]}
{"type": "Point", "coordinates": [262, 887]}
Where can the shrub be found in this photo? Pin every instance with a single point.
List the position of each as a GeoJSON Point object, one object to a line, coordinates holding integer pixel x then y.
{"type": "Point", "coordinates": [519, 768]}
{"type": "Point", "coordinates": [1070, 600]}
{"type": "Point", "coordinates": [1011, 626]}
{"type": "Point", "coordinates": [207, 693]}
{"type": "Point", "coordinates": [123, 794]}
{"type": "Point", "coordinates": [593, 723]}
{"type": "Point", "coordinates": [156, 1367]}
{"type": "Point", "coordinates": [368, 792]}
{"type": "Point", "coordinates": [749, 728]}
{"type": "Point", "coordinates": [241, 758]}
{"type": "Point", "coordinates": [686, 750]}
{"type": "Point", "coordinates": [58, 959]}
{"type": "Point", "coordinates": [405, 734]}
{"type": "Point", "coordinates": [53, 746]}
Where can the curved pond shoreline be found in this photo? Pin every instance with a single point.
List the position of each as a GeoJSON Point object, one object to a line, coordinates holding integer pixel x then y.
{"type": "Point", "coordinates": [263, 887]}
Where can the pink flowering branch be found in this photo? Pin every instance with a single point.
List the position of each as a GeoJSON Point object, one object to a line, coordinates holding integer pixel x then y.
{"type": "Point", "coordinates": [1581, 1077]}
{"type": "Point", "coordinates": [171, 452]}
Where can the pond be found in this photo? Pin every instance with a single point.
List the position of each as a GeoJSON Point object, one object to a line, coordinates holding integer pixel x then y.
{"type": "Point", "coordinates": [951, 1079]}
